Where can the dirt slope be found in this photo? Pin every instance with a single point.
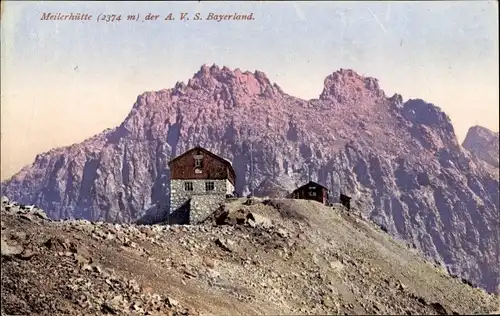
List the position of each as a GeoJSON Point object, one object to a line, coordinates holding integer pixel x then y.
{"type": "Point", "coordinates": [268, 257]}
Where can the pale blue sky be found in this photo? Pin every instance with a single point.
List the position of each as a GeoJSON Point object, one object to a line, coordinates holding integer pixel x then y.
{"type": "Point", "coordinates": [445, 52]}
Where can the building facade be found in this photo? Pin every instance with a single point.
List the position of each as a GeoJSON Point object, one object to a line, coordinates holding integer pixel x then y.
{"type": "Point", "coordinates": [199, 182]}
{"type": "Point", "coordinates": [345, 200]}
{"type": "Point", "coordinates": [311, 191]}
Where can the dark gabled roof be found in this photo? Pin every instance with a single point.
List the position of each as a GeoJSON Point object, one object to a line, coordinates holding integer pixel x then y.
{"type": "Point", "coordinates": [201, 149]}
{"type": "Point", "coordinates": [311, 183]}
{"type": "Point", "coordinates": [342, 195]}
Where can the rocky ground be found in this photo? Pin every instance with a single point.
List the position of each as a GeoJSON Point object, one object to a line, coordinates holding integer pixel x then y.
{"type": "Point", "coordinates": [278, 257]}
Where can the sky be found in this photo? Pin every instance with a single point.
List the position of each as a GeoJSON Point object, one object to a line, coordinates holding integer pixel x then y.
{"type": "Point", "coordinates": [65, 81]}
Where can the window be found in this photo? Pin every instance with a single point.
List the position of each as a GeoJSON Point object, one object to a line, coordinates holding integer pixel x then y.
{"type": "Point", "coordinates": [188, 186]}
{"type": "Point", "coordinates": [312, 193]}
{"type": "Point", "coordinates": [198, 162]}
{"type": "Point", "coordinates": [209, 186]}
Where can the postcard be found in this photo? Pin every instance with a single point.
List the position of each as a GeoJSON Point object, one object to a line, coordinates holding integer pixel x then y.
{"type": "Point", "coordinates": [249, 157]}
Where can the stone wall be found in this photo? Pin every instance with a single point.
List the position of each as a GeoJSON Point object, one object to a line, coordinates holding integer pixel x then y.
{"type": "Point", "coordinates": [202, 206]}
{"type": "Point", "coordinates": [202, 202]}
{"type": "Point", "coordinates": [229, 188]}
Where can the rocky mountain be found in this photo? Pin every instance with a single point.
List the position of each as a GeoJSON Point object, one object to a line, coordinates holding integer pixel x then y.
{"type": "Point", "coordinates": [484, 144]}
{"type": "Point", "coordinates": [280, 257]}
{"type": "Point", "coordinates": [399, 160]}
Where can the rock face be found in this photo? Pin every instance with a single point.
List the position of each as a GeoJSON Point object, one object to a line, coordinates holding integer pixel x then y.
{"type": "Point", "coordinates": [483, 143]}
{"type": "Point", "coordinates": [400, 161]}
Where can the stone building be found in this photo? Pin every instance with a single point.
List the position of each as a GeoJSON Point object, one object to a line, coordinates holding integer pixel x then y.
{"type": "Point", "coordinates": [199, 182]}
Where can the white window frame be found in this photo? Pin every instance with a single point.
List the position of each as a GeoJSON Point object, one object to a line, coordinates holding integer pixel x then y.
{"type": "Point", "coordinates": [198, 162]}
{"type": "Point", "coordinates": [208, 184]}
{"type": "Point", "coordinates": [188, 186]}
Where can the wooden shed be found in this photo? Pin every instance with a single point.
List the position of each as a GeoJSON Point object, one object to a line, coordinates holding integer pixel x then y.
{"type": "Point", "coordinates": [345, 200]}
{"type": "Point", "coordinates": [311, 191]}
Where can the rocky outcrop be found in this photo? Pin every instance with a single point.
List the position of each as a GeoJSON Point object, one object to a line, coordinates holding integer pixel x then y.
{"type": "Point", "coordinates": [400, 161]}
{"type": "Point", "coordinates": [484, 144]}
{"type": "Point", "coordinates": [39, 259]}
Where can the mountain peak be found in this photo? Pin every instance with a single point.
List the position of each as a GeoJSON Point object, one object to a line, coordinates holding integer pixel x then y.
{"type": "Point", "coordinates": [243, 83]}
{"type": "Point", "coordinates": [346, 85]}
{"type": "Point", "coordinates": [483, 143]}
{"type": "Point", "coordinates": [207, 70]}
{"type": "Point", "coordinates": [217, 72]}
{"type": "Point", "coordinates": [481, 131]}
